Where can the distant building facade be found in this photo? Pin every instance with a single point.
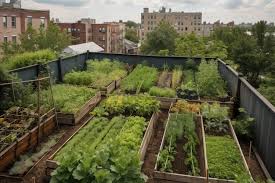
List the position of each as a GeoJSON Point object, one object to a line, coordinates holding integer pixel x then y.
{"type": "Point", "coordinates": [108, 35]}
{"type": "Point", "coordinates": [208, 28]}
{"type": "Point", "coordinates": [183, 22]}
{"type": "Point", "coordinates": [11, 3]}
{"type": "Point", "coordinates": [15, 21]}
{"type": "Point", "coordinates": [76, 30]}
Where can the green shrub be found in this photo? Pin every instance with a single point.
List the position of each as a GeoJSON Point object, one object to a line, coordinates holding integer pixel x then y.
{"type": "Point", "coordinates": [30, 58]}
{"type": "Point", "coordinates": [140, 80]}
{"type": "Point", "coordinates": [244, 125]}
{"type": "Point", "coordinates": [69, 99]}
{"type": "Point", "coordinates": [176, 78]}
{"type": "Point", "coordinates": [224, 159]}
{"type": "Point", "coordinates": [210, 84]}
{"type": "Point", "coordinates": [99, 74]}
{"type": "Point", "coordinates": [162, 92]}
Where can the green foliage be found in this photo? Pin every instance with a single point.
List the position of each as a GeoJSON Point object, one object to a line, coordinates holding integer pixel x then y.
{"type": "Point", "coordinates": [180, 126]}
{"type": "Point", "coordinates": [161, 38]}
{"type": "Point", "coordinates": [215, 117]}
{"type": "Point", "coordinates": [244, 125]}
{"type": "Point", "coordinates": [99, 74]}
{"type": "Point", "coordinates": [176, 77]}
{"type": "Point", "coordinates": [267, 89]}
{"type": "Point", "coordinates": [162, 92]}
{"type": "Point", "coordinates": [224, 159]}
{"type": "Point", "coordinates": [140, 105]}
{"type": "Point", "coordinates": [210, 84]}
{"type": "Point", "coordinates": [131, 24]}
{"type": "Point", "coordinates": [192, 45]}
{"type": "Point", "coordinates": [163, 52]}
{"type": "Point", "coordinates": [141, 79]}
{"type": "Point", "coordinates": [29, 58]}
{"type": "Point", "coordinates": [108, 153]}
{"type": "Point", "coordinates": [69, 99]}
{"type": "Point", "coordinates": [131, 34]}
{"type": "Point", "coordinates": [51, 38]}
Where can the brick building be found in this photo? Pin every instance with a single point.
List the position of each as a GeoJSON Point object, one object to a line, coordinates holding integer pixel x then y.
{"type": "Point", "coordinates": [76, 30]}
{"type": "Point", "coordinates": [183, 22]}
{"type": "Point", "coordinates": [14, 21]}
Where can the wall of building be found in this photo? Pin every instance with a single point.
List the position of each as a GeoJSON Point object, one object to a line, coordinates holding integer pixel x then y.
{"type": "Point", "coordinates": [183, 22]}
{"type": "Point", "coordinates": [21, 16]}
{"type": "Point", "coordinates": [76, 30]}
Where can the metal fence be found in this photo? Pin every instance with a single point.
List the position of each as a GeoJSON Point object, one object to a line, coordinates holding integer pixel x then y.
{"type": "Point", "coordinates": [257, 107]}
{"type": "Point", "coordinates": [254, 103]}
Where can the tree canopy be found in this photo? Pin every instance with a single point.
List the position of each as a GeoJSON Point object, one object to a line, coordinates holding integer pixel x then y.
{"type": "Point", "coordinates": [131, 35]}
{"type": "Point", "coordinates": [161, 38]}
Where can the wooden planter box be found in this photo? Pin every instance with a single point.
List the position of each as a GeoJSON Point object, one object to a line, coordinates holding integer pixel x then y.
{"type": "Point", "coordinates": [51, 164]}
{"type": "Point", "coordinates": [165, 102]}
{"type": "Point", "coordinates": [26, 142]}
{"type": "Point", "coordinates": [234, 136]}
{"type": "Point", "coordinates": [73, 119]}
{"type": "Point", "coordinates": [165, 177]}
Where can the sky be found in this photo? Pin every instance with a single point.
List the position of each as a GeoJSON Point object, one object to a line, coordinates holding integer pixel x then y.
{"type": "Point", "coordinates": [114, 10]}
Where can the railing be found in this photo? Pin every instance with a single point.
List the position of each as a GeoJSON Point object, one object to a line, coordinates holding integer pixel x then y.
{"type": "Point", "coordinates": [247, 97]}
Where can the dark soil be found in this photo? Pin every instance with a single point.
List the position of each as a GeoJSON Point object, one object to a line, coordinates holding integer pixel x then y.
{"type": "Point", "coordinates": [178, 165]}
{"type": "Point", "coordinates": [253, 164]}
{"type": "Point", "coordinates": [154, 145]}
{"type": "Point", "coordinates": [165, 81]}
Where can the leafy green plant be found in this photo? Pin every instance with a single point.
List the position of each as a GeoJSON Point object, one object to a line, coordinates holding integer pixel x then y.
{"type": "Point", "coordinates": [180, 126]}
{"type": "Point", "coordinates": [215, 117]}
{"type": "Point", "coordinates": [162, 92]}
{"type": "Point", "coordinates": [224, 159]}
{"type": "Point", "coordinates": [107, 151]}
{"type": "Point", "coordinates": [210, 84]}
{"type": "Point", "coordinates": [244, 125]}
{"type": "Point", "coordinates": [140, 105]}
{"type": "Point", "coordinates": [29, 58]}
{"type": "Point", "coordinates": [140, 80]}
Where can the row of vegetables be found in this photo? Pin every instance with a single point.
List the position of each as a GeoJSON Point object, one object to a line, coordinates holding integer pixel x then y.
{"type": "Point", "coordinates": [107, 148]}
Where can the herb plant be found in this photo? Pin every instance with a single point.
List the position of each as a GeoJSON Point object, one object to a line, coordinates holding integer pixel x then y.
{"type": "Point", "coordinates": [140, 80]}
{"type": "Point", "coordinates": [176, 77]}
{"type": "Point", "coordinates": [182, 106]}
{"type": "Point", "coordinates": [224, 160]}
{"type": "Point", "coordinates": [162, 92]}
{"type": "Point", "coordinates": [210, 84]}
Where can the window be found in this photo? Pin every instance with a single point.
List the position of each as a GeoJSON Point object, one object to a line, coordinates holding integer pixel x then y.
{"type": "Point", "coordinates": [5, 21]}
{"type": "Point", "coordinates": [69, 30]}
{"type": "Point", "coordinates": [186, 28]}
{"type": "Point", "coordinates": [5, 39]}
{"type": "Point", "coordinates": [13, 39]}
{"type": "Point", "coordinates": [13, 22]}
{"type": "Point", "coordinates": [42, 22]}
{"type": "Point", "coordinates": [29, 21]}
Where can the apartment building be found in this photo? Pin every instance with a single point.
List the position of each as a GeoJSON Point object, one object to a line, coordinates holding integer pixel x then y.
{"type": "Point", "coordinates": [14, 21]}
{"type": "Point", "coordinates": [183, 22]}
{"type": "Point", "coordinates": [208, 28]}
{"type": "Point", "coordinates": [77, 31]}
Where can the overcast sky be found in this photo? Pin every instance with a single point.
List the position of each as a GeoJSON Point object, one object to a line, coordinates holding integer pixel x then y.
{"type": "Point", "coordinates": [114, 10]}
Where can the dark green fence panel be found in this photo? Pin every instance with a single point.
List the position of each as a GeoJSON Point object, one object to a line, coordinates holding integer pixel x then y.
{"type": "Point", "coordinates": [26, 73]}
{"type": "Point", "coordinates": [264, 113]}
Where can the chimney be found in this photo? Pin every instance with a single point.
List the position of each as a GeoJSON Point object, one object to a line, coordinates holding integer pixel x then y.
{"type": "Point", "coordinates": [146, 10]}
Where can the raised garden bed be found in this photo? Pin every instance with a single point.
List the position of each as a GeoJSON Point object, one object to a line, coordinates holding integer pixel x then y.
{"type": "Point", "coordinates": [73, 119]}
{"type": "Point", "coordinates": [178, 165]}
{"type": "Point", "coordinates": [28, 141]}
{"type": "Point", "coordinates": [52, 164]}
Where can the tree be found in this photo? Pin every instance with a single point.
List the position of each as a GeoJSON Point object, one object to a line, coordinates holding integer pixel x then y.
{"type": "Point", "coordinates": [31, 40]}
{"type": "Point", "coordinates": [131, 24]}
{"type": "Point", "coordinates": [191, 45]}
{"type": "Point", "coordinates": [131, 35]}
{"type": "Point", "coordinates": [161, 38]}
{"type": "Point", "coordinates": [259, 31]}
